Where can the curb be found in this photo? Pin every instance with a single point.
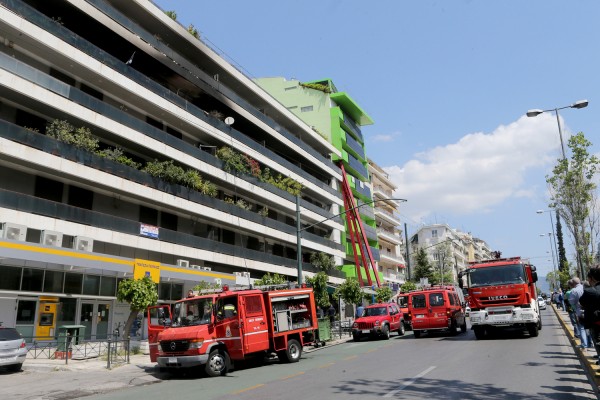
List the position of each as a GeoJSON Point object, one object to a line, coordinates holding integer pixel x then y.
{"type": "Point", "coordinates": [587, 359]}
{"type": "Point", "coordinates": [327, 344]}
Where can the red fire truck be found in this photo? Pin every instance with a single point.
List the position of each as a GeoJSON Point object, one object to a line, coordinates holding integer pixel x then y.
{"type": "Point", "coordinates": [502, 294]}
{"type": "Point", "coordinates": [216, 328]}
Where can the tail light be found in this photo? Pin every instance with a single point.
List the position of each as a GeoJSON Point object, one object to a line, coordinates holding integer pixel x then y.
{"type": "Point", "coordinates": [22, 345]}
{"type": "Point", "coordinates": [448, 312]}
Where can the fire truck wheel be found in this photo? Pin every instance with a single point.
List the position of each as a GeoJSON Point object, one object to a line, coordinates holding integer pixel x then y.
{"type": "Point", "coordinates": [540, 323]}
{"type": "Point", "coordinates": [463, 327]}
{"type": "Point", "coordinates": [479, 332]}
{"type": "Point", "coordinates": [533, 330]}
{"type": "Point", "coordinates": [218, 363]}
{"type": "Point", "coordinates": [401, 330]}
{"type": "Point", "coordinates": [292, 353]}
{"type": "Point", "coordinates": [385, 332]}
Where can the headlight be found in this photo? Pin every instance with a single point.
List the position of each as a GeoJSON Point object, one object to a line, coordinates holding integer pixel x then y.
{"type": "Point", "coordinates": [527, 316]}
{"type": "Point", "coordinates": [355, 325]}
{"type": "Point", "coordinates": [196, 344]}
{"type": "Point", "coordinates": [377, 323]}
{"type": "Point", "coordinates": [475, 319]}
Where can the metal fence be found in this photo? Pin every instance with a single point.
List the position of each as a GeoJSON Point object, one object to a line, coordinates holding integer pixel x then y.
{"type": "Point", "coordinates": [116, 351]}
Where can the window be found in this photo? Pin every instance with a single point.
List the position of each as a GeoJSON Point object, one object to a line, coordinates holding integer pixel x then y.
{"type": "Point", "coordinates": [32, 279]}
{"type": "Point", "coordinates": [11, 278]}
{"type": "Point", "coordinates": [418, 301]}
{"type": "Point", "coordinates": [73, 283]}
{"type": "Point", "coordinates": [436, 299]}
{"type": "Point", "coordinates": [253, 305]}
{"type": "Point", "coordinates": [434, 233]}
{"type": "Point", "coordinates": [107, 286]}
{"type": "Point", "coordinates": [306, 108]}
{"type": "Point", "coordinates": [91, 284]}
{"type": "Point", "coordinates": [53, 281]}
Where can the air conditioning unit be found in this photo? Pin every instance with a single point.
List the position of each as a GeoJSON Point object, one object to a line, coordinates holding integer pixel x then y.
{"type": "Point", "coordinates": [238, 274]}
{"type": "Point", "coordinates": [246, 274]}
{"type": "Point", "coordinates": [82, 243]}
{"type": "Point", "coordinates": [14, 231]}
{"type": "Point", "coordinates": [51, 238]}
{"type": "Point", "coordinates": [206, 268]}
{"type": "Point", "coordinates": [183, 263]}
{"type": "Point", "coordinates": [218, 281]}
{"type": "Point", "coordinates": [194, 266]}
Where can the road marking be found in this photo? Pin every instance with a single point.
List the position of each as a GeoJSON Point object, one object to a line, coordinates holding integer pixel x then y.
{"type": "Point", "coordinates": [292, 376]}
{"type": "Point", "coordinates": [250, 388]}
{"type": "Point", "coordinates": [409, 382]}
{"type": "Point", "coordinates": [327, 365]}
{"type": "Point", "coordinates": [350, 358]}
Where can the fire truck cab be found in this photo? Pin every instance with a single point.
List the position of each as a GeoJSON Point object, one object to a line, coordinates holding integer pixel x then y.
{"type": "Point", "coordinates": [215, 329]}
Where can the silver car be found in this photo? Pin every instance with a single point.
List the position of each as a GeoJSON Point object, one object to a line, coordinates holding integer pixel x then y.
{"type": "Point", "coordinates": [12, 349]}
{"type": "Point", "coordinates": [541, 303]}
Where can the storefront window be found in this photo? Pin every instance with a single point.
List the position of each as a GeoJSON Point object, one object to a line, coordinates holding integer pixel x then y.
{"type": "Point", "coordinates": [11, 278]}
{"type": "Point", "coordinates": [32, 280]}
{"type": "Point", "coordinates": [73, 283]}
{"type": "Point", "coordinates": [107, 286]}
{"type": "Point", "coordinates": [53, 281]}
{"type": "Point", "coordinates": [66, 315]}
{"type": "Point", "coordinates": [91, 285]}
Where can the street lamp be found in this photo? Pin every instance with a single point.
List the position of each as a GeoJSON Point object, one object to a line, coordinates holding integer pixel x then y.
{"type": "Point", "coordinates": [299, 228]}
{"type": "Point", "coordinates": [577, 104]}
{"type": "Point", "coordinates": [556, 280]}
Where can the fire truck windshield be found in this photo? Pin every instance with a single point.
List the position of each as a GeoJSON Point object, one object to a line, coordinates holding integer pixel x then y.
{"type": "Point", "coordinates": [193, 312]}
{"type": "Point", "coordinates": [497, 275]}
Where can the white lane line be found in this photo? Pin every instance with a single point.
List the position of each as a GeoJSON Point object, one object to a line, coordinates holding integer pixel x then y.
{"type": "Point", "coordinates": [409, 382]}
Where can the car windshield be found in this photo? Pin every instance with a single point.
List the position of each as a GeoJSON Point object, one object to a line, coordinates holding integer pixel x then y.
{"type": "Point", "coordinates": [375, 311]}
{"type": "Point", "coordinates": [197, 311]}
{"type": "Point", "coordinates": [9, 334]}
{"type": "Point", "coordinates": [501, 275]}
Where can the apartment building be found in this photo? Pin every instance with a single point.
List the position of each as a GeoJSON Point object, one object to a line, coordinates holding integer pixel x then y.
{"type": "Point", "coordinates": [463, 247]}
{"type": "Point", "coordinates": [130, 148]}
{"type": "Point", "coordinates": [335, 116]}
{"type": "Point", "coordinates": [391, 249]}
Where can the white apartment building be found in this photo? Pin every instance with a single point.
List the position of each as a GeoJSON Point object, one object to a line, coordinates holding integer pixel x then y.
{"type": "Point", "coordinates": [162, 193]}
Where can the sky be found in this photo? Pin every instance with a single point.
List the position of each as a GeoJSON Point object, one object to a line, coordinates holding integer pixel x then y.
{"type": "Point", "coordinates": [448, 84]}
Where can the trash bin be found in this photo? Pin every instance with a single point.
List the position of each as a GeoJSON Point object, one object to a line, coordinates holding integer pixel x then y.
{"type": "Point", "coordinates": [68, 335]}
{"type": "Point", "coordinates": [324, 330]}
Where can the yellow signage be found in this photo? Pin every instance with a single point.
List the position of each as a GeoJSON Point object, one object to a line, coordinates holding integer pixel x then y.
{"type": "Point", "coordinates": [142, 268]}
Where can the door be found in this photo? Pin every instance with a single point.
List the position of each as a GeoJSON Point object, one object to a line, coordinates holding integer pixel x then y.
{"type": "Point", "coordinates": [395, 315]}
{"type": "Point", "coordinates": [159, 318]}
{"type": "Point", "coordinates": [254, 328]}
{"type": "Point", "coordinates": [95, 316]}
{"type": "Point", "coordinates": [437, 311]}
{"type": "Point", "coordinates": [417, 306]}
{"type": "Point", "coordinates": [228, 325]}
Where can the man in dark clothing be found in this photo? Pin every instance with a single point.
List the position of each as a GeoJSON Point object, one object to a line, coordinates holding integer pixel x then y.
{"type": "Point", "coordinates": [590, 302]}
{"type": "Point", "coordinates": [331, 313]}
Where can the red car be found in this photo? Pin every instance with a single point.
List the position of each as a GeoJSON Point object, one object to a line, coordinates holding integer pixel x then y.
{"type": "Point", "coordinates": [379, 320]}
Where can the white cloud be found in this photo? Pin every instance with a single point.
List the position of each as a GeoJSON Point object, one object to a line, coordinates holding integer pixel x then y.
{"type": "Point", "coordinates": [385, 138]}
{"type": "Point", "coordinates": [478, 172]}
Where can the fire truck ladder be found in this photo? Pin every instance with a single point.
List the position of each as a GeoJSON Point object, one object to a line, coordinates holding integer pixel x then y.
{"type": "Point", "coordinates": [358, 236]}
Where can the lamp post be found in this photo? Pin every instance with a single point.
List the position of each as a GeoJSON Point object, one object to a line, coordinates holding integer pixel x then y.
{"type": "Point", "coordinates": [299, 228]}
{"type": "Point", "coordinates": [556, 280]}
{"type": "Point", "coordinates": [577, 104]}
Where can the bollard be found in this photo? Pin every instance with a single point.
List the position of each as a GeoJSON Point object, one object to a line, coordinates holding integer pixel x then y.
{"type": "Point", "coordinates": [108, 356]}
{"type": "Point", "coordinates": [128, 348]}
{"type": "Point", "coordinates": [67, 347]}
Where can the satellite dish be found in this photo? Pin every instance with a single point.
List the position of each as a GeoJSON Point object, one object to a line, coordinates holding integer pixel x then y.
{"type": "Point", "coordinates": [229, 120]}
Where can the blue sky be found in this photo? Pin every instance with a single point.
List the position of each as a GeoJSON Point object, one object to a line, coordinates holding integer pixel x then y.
{"type": "Point", "coordinates": [448, 84]}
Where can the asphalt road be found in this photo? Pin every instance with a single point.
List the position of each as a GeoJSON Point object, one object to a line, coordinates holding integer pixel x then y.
{"type": "Point", "coordinates": [437, 366]}
{"type": "Point", "coordinates": [432, 367]}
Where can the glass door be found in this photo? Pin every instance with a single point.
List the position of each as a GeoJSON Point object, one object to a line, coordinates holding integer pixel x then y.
{"type": "Point", "coordinates": [95, 316]}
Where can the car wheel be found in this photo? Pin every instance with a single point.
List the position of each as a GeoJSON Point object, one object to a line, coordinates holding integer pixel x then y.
{"type": "Point", "coordinates": [540, 323]}
{"type": "Point", "coordinates": [385, 331]}
{"type": "Point", "coordinates": [356, 337]}
{"type": "Point", "coordinates": [14, 367]}
{"type": "Point", "coordinates": [533, 330]}
{"type": "Point", "coordinates": [401, 330]}
{"type": "Point", "coordinates": [292, 353]}
{"type": "Point", "coordinates": [217, 363]}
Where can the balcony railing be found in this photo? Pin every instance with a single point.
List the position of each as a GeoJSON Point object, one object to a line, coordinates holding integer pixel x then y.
{"type": "Point", "coordinates": [351, 125]}
{"type": "Point", "coordinates": [357, 166]}
{"type": "Point", "coordinates": [355, 146]}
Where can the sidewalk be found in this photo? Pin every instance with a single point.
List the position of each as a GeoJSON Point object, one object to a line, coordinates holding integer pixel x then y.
{"type": "Point", "coordinates": [588, 358]}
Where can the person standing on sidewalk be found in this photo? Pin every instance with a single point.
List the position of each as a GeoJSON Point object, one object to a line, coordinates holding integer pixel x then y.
{"type": "Point", "coordinates": [590, 302]}
{"type": "Point", "coordinates": [573, 300]}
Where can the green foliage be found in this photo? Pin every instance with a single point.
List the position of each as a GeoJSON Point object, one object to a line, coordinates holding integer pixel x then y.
{"type": "Point", "coordinates": [172, 15]}
{"type": "Point", "coordinates": [203, 285]}
{"type": "Point", "coordinates": [423, 268]}
{"type": "Point", "coordinates": [350, 291]}
{"type": "Point", "coordinates": [317, 86]}
{"type": "Point", "coordinates": [264, 212]}
{"type": "Point", "coordinates": [269, 279]}
{"type": "Point", "coordinates": [322, 261]}
{"type": "Point", "coordinates": [241, 203]}
{"type": "Point", "coordinates": [383, 294]}
{"type": "Point", "coordinates": [232, 160]}
{"type": "Point", "coordinates": [407, 287]}
{"type": "Point", "coordinates": [118, 155]}
{"type": "Point", "coordinates": [193, 31]}
{"type": "Point", "coordinates": [319, 285]}
{"type": "Point", "coordinates": [138, 293]}
{"type": "Point", "coordinates": [79, 137]}
{"type": "Point", "coordinates": [169, 172]}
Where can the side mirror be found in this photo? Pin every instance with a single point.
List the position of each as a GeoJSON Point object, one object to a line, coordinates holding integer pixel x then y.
{"type": "Point", "coordinates": [534, 276]}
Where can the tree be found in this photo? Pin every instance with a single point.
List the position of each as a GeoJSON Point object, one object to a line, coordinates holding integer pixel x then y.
{"type": "Point", "coordinates": [204, 285]}
{"type": "Point", "coordinates": [269, 279]}
{"type": "Point", "coordinates": [422, 266]}
{"type": "Point", "coordinates": [321, 261]}
{"type": "Point", "coordinates": [443, 271]}
{"type": "Point", "coordinates": [407, 287]}
{"type": "Point", "coordinates": [140, 294]}
{"type": "Point", "coordinates": [571, 190]}
{"type": "Point", "coordinates": [319, 285]}
{"type": "Point", "coordinates": [350, 291]}
{"type": "Point", "coordinates": [383, 294]}
{"type": "Point", "coordinates": [562, 254]}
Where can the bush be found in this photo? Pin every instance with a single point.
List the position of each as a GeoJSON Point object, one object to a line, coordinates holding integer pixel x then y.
{"type": "Point", "coordinates": [79, 137]}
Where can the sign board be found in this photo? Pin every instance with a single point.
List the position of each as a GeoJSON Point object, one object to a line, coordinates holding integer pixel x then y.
{"type": "Point", "coordinates": [142, 268]}
{"type": "Point", "coordinates": [150, 231]}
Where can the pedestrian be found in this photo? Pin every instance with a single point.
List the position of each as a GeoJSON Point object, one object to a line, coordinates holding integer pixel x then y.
{"type": "Point", "coordinates": [590, 302]}
{"type": "Point", "coordinates": [190, 293]}
{"type": "Point", "coordinates": [320, 313]}
{"type": "Point", "coordinates": [560, 300]}
{"type": "Point", "coordinates": [359, 310]}
{"type": "Point", "coordinates": [331, 313]}
{"type": "Point", "coordinates": [573, 300]}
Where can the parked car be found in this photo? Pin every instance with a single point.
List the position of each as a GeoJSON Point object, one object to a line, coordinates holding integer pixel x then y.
{"type": "Point", "coordinates": [541, 303]}
{"type": "Point", "coordinates": [437, 308]}
{"type": "Point", "coordinates": [378, 320]}
{"type": "Point", "coordinates": [12, 349]}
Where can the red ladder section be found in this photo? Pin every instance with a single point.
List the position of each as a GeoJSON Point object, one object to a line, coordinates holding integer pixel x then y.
{"type": "Point", "coordinates": [358, 236]}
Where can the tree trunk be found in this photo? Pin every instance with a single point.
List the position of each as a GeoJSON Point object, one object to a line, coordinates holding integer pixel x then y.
{"type": "Point", "coordinates": [129, 323]}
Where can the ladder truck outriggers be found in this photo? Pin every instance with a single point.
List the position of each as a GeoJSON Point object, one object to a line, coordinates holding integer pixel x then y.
{"type": "Point", "coordinates": [502, 294]}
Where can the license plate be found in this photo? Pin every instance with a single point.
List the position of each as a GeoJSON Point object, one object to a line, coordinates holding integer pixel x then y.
{"type": "Point", "coordinates": [172, 360]}
{"type": "Point", "coordinates": [366, 331]}
{"type": "Point", "coordinates": [420, 316]}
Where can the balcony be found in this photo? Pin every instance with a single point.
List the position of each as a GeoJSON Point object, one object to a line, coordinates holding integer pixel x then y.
{"type": "Point", "coordinates": [351, 126]}
{"type": "Point", "coordinates": [391, 259]}
{"type": "Point", "coordinates": [354, 146]}
{"type": "Point", "coordinates": [389, 236]}
{"type": "Point", "coordinates": [387, 217]}
{"type": "Point", "coordinates": [358, 168]}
